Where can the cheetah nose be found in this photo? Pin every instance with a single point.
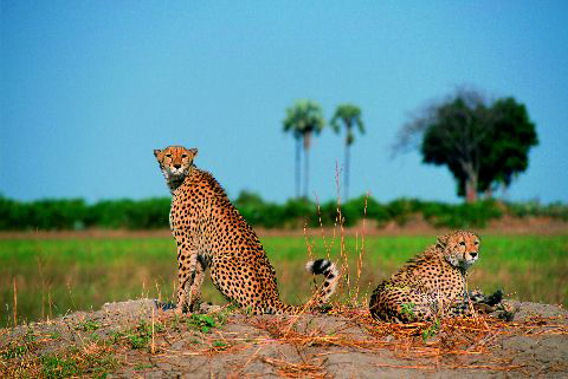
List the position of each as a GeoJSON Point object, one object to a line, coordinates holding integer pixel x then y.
{"type": "Point", "coordinates": [177, 165]}
{"type": "Point", "coordinates": [473, 254]}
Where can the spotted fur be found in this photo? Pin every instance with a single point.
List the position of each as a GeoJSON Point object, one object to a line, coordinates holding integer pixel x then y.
{"type": "Point", "coordinates": [433, 284]}
{"type": "Point", "coordinates": [211, 233]}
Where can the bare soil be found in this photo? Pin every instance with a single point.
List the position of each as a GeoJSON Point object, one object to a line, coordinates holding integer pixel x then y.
{"type": "Point", "coordinates": [415, 226]}
{"type": "Point", "coordinates": [141, 339]}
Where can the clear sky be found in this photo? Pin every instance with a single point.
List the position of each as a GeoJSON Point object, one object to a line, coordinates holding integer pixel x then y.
{"type": "Point", "coordinates": [90, 88]}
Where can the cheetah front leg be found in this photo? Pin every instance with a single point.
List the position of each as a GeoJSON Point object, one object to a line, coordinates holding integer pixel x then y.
{"type": "Point", "coordinates": [194, 290]}
{"type": "Point", "coordinates": [187, 266]}
{"type": "Point", "coordinates": [479, 303]}
{"type": "Point", "coordinates": [186, 276]}
{"type": "Point", "coordinates": [468, 304]}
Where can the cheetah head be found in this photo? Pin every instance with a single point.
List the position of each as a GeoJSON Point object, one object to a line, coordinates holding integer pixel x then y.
{"type": "Point", "coordinates": [460, 248]}
{"type": "Point", "coordinates": [175, 163]}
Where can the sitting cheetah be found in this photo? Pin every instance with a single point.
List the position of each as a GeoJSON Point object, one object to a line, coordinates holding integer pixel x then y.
{"type": "Point", "coordinates": [210, 232]}
{"type": "Point", "coordinates": [433, 284]}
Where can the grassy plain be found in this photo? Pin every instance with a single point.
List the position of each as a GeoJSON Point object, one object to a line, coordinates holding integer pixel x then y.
{"type": "Point", "coordinates": [52, 277]}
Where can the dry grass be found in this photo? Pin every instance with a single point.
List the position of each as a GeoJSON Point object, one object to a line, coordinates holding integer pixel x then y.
{"type": "Point", "coordinates": [453, 337]}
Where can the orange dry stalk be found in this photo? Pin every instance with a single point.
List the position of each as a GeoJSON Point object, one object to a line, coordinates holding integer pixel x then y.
{"type": "Point", "coordinates": [296, 370]}
{"type": "Point", "coordinates": [453, 337]}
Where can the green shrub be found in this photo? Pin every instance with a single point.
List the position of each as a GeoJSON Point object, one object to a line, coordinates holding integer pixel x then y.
{"type": "Point", "coordinates": [462, 215]}
{"type": "Point", "coordinates": [534, 208]}
{"type": "Point", "coordinates": [401, 210]}
{"type": "Point", "coordinates": [355, 210]}
{"type": "Point", "coordinates": [153, 213]}
{"type": "Point", "coordinates": [130, 214]}
{"type": "Point", "coordinates": [45, 214]}
{"type": "Point", "coordinates": [298, 212]}
{"type": "Point", "coordinates": [257, 212]}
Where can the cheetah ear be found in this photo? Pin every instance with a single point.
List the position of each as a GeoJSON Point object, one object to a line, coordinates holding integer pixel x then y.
{"type": "Point", "coordinates": [156, 152]}
{"type": "Point", "coordinates": [442, 241]}
{"type": "Point", "coordinates": [193, 151]}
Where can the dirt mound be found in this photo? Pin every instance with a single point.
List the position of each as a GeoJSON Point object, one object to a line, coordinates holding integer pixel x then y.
{"type": "Point", "coordinates": [139, 337]}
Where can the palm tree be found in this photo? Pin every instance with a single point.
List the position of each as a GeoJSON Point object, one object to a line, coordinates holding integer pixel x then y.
{"type": "Point", "coordinates": [303, 119]}
{"type": "Point", "coordinates": [298, 138]}
{"type": "Point", "coordinates": [349, 116]}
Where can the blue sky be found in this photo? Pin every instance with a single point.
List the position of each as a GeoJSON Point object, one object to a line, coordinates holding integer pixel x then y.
{"type": "Point", "coordinates": [90, 88]}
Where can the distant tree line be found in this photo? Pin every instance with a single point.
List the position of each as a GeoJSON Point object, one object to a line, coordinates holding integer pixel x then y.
{"type": "Point", "coordinates": [76, 214]}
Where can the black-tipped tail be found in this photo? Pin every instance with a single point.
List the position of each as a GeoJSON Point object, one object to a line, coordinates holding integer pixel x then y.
{"type": "Point", "coordinates": [330, 273]}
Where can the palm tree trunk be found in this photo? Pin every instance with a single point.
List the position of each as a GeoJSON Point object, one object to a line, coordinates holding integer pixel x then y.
{"type": "Point", "coordinates": [307, 138]}
{"type": "Point", "coordinates": [297, 164]}
{"type": "Point", "coordinates": [346, 178]}
{"type": "Point", "coordinates": [306, 171]}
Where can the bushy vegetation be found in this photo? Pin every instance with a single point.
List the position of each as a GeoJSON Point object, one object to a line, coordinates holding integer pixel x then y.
{"type": "Point", "coordinates": [76, 214]}
{"type": "Point", "coordinates": [534, 208]}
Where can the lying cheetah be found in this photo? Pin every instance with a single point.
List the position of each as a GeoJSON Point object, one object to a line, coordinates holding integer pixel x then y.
{"type": "Point", "coordinates": [211, 233]}
{"type": "Point", "coordinates": [433, 284]}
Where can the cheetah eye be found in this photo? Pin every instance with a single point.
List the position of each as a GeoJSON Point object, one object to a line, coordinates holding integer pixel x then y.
{"type": "Point", "coordinates": [462, 243]}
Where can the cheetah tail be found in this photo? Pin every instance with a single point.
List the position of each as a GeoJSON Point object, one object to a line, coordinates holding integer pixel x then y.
{"type": "Point", "coordinates": [329, 271]}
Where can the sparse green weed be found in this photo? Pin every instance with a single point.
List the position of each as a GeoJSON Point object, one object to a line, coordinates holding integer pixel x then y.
{"type": "Point", "coordinates": [14, 352]}
{"type": "Point", "coordinates": [431, 331]}
{"type": "Point", "coordinates": [56, 367]}
{"type": "Point", "coordinates": [142, 366]}
{"type": "Point", "coordinates": [139, 336]}
{"type": "Point", "coordinates": [74, 362]}
{"type": "Point", "coordinates": [30, 336]}
{"type": "Point", "coordinates": [204, 323]}
{"type": "Point", "coordinates": [408, 309]}
{"type": "Point", "coordinates": [88, 326]}
{"type": "Point", "coordinates": [138, 341]}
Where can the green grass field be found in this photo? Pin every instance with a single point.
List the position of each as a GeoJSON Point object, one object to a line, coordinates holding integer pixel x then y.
{"type": "Point", "coordinates": [53, 277]}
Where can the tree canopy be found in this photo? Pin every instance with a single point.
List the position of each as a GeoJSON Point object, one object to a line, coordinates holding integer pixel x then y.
{"type": "Point", "coordinates": [483, 144]}
{"type": "Point", "coordinates": [303, 119]}
{"type": "Point", "coordinates": [349, 116]}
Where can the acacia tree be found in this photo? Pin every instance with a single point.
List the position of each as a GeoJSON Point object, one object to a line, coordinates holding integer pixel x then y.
{"type": "Point", "coordinates": [512, 137]}
{"type": "Point", "coordinates": [348, 116]}
{"type": "Point", "coordinates": [303, 120]}
{"type": "Point", "coordinates": [482, 144]}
